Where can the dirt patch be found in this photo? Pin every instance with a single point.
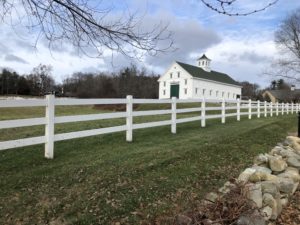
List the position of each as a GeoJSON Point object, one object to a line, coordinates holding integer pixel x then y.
{"type": "Point", "coordinates": [291, 213]}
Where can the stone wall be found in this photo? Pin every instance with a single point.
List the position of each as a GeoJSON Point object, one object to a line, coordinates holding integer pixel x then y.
{"type": "Point", "coordinates": [268, 185]}
{"type": "Point", "coordinates": [273, 178]}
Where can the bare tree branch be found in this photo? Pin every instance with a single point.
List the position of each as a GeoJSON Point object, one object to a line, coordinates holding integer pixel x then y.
{"type": "Point", "coordinates": [287, 39]}
{"type": "Point", "coordinates": [87, 27]}
{"type": "Point", "coordinates": [226, 7]}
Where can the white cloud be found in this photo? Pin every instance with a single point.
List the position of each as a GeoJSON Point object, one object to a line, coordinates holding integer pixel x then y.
{"type": "Point", "coordinates": [244, 58]}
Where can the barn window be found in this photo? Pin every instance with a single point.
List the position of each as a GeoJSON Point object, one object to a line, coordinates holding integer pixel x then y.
{"type": "Point", "coordinates": [178, 73]}
{"type": "Point", "coordinates": [210, 92]}
{"type": "Point", "coordinates": [233, 95]}
{"type": "Point", "coordinates": [196, 90]}
{"type": "Point", "coordinates": [164, 83]}
{"type": "Point", "coordinates": [223, 94]}
{"type": "Point", "coordinates": [217, 93]}
{"type": "Point", "coordinates": [185, 91]}
{"type": "Point", "coordinates": [228, 94]}
{"type": "Point", "coordinates": [171, 75]}
{"type": "Point", "coordinates": [164, 92]}
{"type": "Point", "coordinates": [203, 92]}
{"type": "Point", "coordinates": [185, 81]}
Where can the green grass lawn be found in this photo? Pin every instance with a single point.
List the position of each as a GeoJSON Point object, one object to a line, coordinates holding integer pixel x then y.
{"type": "Point", "coordinates": [103, 179]}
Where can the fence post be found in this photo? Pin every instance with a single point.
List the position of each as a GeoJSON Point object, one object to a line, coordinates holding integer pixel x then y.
{"type": "Point", "coordinates": [173, 126]}
{"type": "Point", "coordinates": [287, 108]}
{"type": "Point", "coordinates": [49, 128]}
{"type": "Point", "coordinates": [292, 108]}
{"type": "Point", "coordinates": [282, 108]}
{"type": "Point", "coordinates": [258, 109]}
{"type": "Point", "coordinates": [265, 106]}
{"type": "Point", "coordinates": [129, 107]}
{"type": "Point", "coordinates": [238, 110]}
{"type": "Point", "coordinates": [249, 111]}
{"type": "Point", "coordinates": [203, 112]}
{"type": "Point", "coordinates": [271, 109]}
{"type": "Point", "coordinates": [277, 105]}
{"type": "Point", "coordinates": [223, 111]}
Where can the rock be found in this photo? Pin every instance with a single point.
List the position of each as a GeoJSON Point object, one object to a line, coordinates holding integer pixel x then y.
{"type": "Point", "coordinates": [212, 197]}
{"type": "Point", "coordinates": [183, 220]}
{"type": "Point", "coordinates": [227, 187]}
{"type": "Point", "coordinates": [275, 204]}
{"type": "Point", "coordinates": [295, 187]}
{"type": "Point", "coordinates": [224, 190]}
{"type": "Point", "coordinates": [261, 159]}
{"type": "Point", "coordinates": [290, 174]}
{"type": "Point", "coordinates": [270, 187]}
{"type": "Point", "coordinates": [292, 161]}
{"type": "Point", "coordinates": [294, 142]}
{"type": "Point", "coordinates": [276, 150]}
{"type": "Point", "coordinates": [290, 153]}
{"type": "Point", "coordinates": [286, 185]}
{"type": "Point", "coordinates": [267, 212]}
{"type": "Point", "coordinates": [292, 169]}
{"type": "Point", "coordinates": [279, 206]}
{"type": "Point", "coordinates": [244, 176]}
{"type": "Point", "coordinates": [261, 176]}
{"type": "Point", "coordinates": [261, 169]}
{"type": "Point", "coordinates": [251, 219]}
{"type": "Point", "coordinates": [284, 201]}
{"type": "Point", "coordinates": [207, 222]}
{"type": "Point", "coordinates": [268, 200]}
{"type": "Point", "coordinates": [254, 193]}
{"type": "Point", "coordinates": [277, 164]}
{"type": "Point", "coordinates": [285, 152]}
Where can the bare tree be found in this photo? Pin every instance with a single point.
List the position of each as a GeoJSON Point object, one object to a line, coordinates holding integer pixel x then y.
{"type": "Point", "coordinates": [227, 7]}
{"type": "Point", "coordinates": [287, 39]}
{"type": "Point", "coordinates": [84, 24]}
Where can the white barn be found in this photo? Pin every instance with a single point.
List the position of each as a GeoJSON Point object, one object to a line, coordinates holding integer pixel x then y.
{"type": "Point", "coordinates": [186, 81]}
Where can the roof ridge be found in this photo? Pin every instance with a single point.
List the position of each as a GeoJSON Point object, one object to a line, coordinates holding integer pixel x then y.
{"type": "Point", "coordinates": [213, 75]}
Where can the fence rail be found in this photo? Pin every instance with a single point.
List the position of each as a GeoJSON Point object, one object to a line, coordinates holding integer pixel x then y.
{"type": "Point", "coordinates": [257, 108]}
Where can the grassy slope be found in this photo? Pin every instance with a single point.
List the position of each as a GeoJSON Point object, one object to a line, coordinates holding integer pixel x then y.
{"type": "Point", "coordinates": [103, 179]}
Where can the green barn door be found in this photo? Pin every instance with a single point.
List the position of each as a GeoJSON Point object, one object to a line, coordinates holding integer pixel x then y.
{"type": "Point", "coordinates": [174, 90]}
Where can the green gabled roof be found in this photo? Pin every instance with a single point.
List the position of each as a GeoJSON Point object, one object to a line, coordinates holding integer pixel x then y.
{"type": "Point", "coordinates": [212, 75]}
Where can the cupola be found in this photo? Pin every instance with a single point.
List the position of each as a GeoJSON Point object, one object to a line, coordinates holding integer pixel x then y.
{"type": "Point", "coordinates": [204, 63]}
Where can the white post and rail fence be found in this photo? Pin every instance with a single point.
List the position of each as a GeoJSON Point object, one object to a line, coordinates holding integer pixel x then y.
{"type": "Point", "coordinates": [237, 109]}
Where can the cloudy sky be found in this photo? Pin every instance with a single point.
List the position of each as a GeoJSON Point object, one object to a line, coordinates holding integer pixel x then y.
{"type": "Point", "coordinates": [240, 46]}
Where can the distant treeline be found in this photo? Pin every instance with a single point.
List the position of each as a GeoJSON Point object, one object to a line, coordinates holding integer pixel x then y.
{"type": "Point", "coordinates": [37, 83]}
{"type": "Point", "coordinates": [128, 81]}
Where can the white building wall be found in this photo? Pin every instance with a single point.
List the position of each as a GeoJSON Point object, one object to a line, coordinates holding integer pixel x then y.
{"type": "Point", "coordinates": [214, 90]}
{"type": "Point", "coordinates": [184, 80]}
{"type": "Point", "coordinates": [188, 86]}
